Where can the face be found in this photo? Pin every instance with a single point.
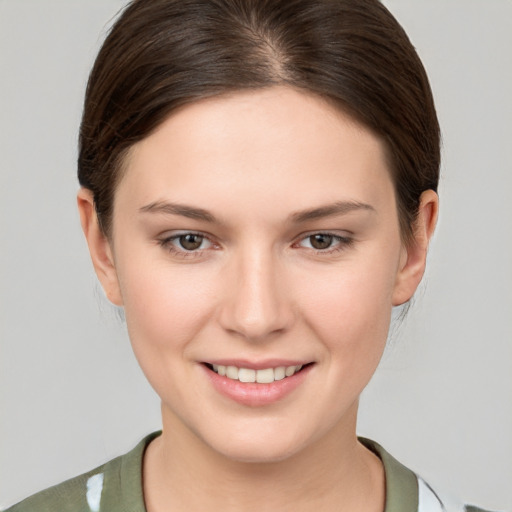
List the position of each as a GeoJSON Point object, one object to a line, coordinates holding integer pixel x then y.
{"type": "Point", "coordinates": [257, 235]}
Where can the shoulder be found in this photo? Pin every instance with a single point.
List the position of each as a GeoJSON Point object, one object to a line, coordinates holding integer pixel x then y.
{"type": "Point", "coordinates": [434, 500]}
{"type": "Point", "coordinates": [113, 486]}
{"type": "Point", "coordinates": [74, 495]}
{"type": "Point", "coordinates": [406, 491]}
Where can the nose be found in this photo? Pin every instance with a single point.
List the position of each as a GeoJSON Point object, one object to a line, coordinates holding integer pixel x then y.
{"type": "Point", "coordinates": [257, 303]}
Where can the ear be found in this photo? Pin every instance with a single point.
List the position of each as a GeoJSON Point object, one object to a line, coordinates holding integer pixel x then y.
{"type": "Point", "coordinates": [99, 247]}
{"type": "Point", "coordinates": [414, 255]}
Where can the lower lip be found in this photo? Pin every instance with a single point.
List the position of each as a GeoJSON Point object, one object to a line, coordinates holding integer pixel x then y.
{"type": "Point", "coordinates": [253, 394]}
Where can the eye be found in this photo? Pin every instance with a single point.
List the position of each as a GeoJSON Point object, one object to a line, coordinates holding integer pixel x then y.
{"type": "Point", "coordinates": [321, 241]}
{"type": "Point", "coordinates": [191, 241]}
{"type": "Point", "coordinates": [325, 242]}
{"type": "Point", "coordinates": [186, 243]}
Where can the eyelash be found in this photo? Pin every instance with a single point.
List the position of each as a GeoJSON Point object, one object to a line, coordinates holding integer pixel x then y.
{"type": "Point", "coordinates": [341, 243]}
{"type": "Point", "coordinates": [167, 244]}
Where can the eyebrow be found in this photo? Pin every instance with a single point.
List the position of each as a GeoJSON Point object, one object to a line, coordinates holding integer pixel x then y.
{"type": "Point", "coordinates": [191, 212]}
{"type": "Point", "coordinates": [330, 210]}
{"type": "Point", "coordinates": [178, 209]}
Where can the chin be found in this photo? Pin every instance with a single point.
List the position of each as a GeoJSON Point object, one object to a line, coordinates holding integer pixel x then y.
{"type": "Point", "coordinates": [258, 445]}
{"type": "Point", "coordinates": [257, 451]}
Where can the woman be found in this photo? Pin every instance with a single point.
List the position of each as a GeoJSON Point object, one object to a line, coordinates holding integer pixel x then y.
{"type": "Point", "coordinates": [258, 191]}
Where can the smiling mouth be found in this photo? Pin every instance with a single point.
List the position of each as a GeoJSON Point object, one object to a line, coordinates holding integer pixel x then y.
{"type": "Point", "coordinates": [263, 376]}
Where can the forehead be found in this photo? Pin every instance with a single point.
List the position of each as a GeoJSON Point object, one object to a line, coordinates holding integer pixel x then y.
{"type": "Point", "coordinates": [268, 145]}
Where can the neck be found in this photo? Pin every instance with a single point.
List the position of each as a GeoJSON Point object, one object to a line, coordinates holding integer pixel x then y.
{"type": "Point", "coordinates": [337, 473]}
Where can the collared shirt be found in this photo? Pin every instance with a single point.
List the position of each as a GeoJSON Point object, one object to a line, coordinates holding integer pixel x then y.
{"type": "Point", "coordinates": [116, 486]}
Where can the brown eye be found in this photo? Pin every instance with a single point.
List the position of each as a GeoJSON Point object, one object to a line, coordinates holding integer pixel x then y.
{"type": "Point", "coordinates": [321, 241]}
{"type": "Point", "coordinates": [191, 241]}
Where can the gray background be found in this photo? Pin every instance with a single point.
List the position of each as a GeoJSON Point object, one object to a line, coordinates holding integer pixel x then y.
{"type": "Point", "coordinates": [71, 394]}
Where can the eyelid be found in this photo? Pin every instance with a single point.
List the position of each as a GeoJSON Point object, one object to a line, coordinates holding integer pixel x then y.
{"type": "Point", "coordinates": [166, 241]}
{"type": "Point", "coordinates": [344, 239]}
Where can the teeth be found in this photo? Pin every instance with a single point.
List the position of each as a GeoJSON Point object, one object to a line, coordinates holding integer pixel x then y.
{"type": "Point", "coordinates": [246, 375]}
{"type": "Point", "coordinates": [290, 370]}
{"type": "Point", "coordinates": [232, 372]}
{"type": "Point", "coordinates": [265, 376]}
{"type": "Point", "coordinates": [280, 373]}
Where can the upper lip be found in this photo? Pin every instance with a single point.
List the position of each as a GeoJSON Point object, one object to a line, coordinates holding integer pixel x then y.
{"type": "Point", "coordinates": [257, 365]}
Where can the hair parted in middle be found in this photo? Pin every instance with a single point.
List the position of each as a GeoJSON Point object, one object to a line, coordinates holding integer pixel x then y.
{"type": "Point", "coordinates": [163, 54]}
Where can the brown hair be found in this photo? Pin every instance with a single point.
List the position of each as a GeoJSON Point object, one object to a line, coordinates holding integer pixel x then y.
{"type": "Point", "coordinates": [162, 54]}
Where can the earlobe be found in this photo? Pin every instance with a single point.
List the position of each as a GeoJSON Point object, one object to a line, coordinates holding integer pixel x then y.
{"type": "Point", "coordinates": [99, 247]}
{"type": "Point", "coordinates": [413, 261]}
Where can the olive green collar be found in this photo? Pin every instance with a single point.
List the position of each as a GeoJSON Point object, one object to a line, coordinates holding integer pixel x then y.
{"type": "Point", "coordinates": [123, 478]}
{"type": "Point", "coordinates": [401, 482]}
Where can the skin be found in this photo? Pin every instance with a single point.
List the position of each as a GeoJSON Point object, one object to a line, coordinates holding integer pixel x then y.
{"type": "Point", "coordinates": [257, 289]}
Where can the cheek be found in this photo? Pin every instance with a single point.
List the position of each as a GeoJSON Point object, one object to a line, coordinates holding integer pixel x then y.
{"type": "Point", "coordinates": [165, 307]}
{"type": "Point", "coordinates": [350, 309]}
